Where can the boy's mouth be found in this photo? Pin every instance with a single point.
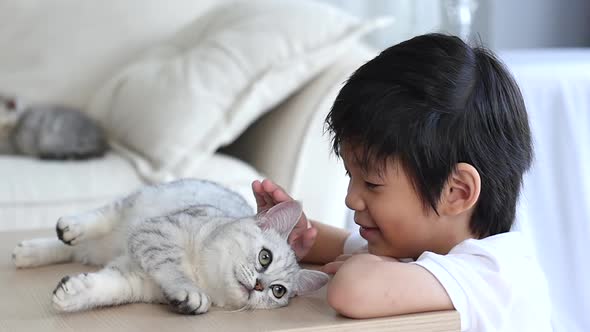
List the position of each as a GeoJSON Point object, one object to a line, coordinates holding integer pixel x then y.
{"type": "Point", "coordinates": [368, 233]}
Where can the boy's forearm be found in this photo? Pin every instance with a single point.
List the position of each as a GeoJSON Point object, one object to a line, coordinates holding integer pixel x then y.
{"type": "Point", "coordinates": [328, 245]}
{"type": "Point", "coordinates": [369, 286]}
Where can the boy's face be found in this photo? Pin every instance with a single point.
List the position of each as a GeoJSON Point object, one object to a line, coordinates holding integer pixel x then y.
{"type": "Point", "coordinates": [390, 214]}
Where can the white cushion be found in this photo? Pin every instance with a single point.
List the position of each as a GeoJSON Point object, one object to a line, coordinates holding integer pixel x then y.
{"type": "Point", "coordinates": [34, 193]}
{"type": "Point", "coordinates": [199, 91]}
{"type": "Point", "coordinates": [62, 51]}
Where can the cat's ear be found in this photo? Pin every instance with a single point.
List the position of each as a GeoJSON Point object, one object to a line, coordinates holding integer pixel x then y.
{"type": "Point", "coordinates": [281, 217]}
{"type": "Point", "coordinates": [309, 281]}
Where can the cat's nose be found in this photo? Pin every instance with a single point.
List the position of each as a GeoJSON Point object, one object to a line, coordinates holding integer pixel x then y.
{"type": "Point", "coordinates": [258, 286]}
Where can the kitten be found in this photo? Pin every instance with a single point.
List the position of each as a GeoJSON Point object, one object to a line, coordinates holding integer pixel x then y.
{"type": "Point", "coordinates": [188, 243]}
{"type": "Point", "coordinates": [48, 132]}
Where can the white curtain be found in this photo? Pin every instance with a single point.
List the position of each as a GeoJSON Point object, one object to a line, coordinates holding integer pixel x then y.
{"type": "Point", "coordinates": [554, 210]}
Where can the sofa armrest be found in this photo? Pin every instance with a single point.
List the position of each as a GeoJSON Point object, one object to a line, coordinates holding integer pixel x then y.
{"type": "Point", "coordinates": [289, 146]}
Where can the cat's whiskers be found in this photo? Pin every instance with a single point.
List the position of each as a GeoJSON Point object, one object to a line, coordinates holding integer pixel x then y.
{"type": "Point", "coordinates": [244, 308]}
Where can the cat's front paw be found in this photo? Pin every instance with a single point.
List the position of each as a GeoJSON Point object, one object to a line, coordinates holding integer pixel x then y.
{"type": "Point", "coordinates": [69, 230]}
{"type": "Point", "coordinates": [189, 302]}
{"type": "Point", "coordinates": [72, 293]}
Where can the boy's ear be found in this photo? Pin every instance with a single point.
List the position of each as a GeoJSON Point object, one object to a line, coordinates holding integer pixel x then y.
{"type": "Point", "coordinates": [461, 191]}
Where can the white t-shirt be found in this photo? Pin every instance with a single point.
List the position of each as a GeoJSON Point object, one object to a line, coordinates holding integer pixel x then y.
{"type": "Point", "coordinates": [495, 283]}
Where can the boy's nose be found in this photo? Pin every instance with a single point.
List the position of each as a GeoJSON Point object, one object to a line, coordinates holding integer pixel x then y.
{"type": "Point", "coordinates": [354, 201]}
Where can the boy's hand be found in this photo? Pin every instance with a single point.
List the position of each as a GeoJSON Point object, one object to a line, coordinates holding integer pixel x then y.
{"type": "Point", "coordinates": [267, 195]}
{"type": "Point", "coordinates": [333, 267]}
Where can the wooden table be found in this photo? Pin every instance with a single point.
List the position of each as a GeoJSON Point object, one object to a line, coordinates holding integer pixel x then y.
{"type": "Point", "coordinates": [25, 305]}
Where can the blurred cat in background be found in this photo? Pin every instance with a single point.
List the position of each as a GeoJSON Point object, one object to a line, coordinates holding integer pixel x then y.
{"type": "Point", "coordinates": [48, 131]}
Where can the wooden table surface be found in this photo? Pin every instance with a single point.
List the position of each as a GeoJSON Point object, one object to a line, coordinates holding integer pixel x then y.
{"type": "Point", "coordinates": [25, 305]}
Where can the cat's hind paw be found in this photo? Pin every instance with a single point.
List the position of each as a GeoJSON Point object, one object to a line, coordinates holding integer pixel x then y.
{"type": "Point", "coordinates": [28, 253]}
{"type": "Point", "coordinates": [69, 230]}
{"type": "Point", "coordinates": [73, 293]}
{"type": "Point", "coordinates": [189, 302]}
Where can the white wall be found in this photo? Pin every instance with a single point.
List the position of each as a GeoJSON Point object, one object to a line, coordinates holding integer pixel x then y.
{"type": "Point", "coordinates": [412, 17]}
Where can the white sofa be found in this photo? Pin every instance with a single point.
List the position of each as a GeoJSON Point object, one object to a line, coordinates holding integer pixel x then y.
{"type": "Point", "coordinates": [56, 51]}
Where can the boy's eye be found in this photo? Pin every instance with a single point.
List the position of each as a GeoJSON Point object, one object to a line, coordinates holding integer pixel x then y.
{"type": "Point", "coordinates": [347, 173]}
{"type": "Point", "coordinates": [371, 185]}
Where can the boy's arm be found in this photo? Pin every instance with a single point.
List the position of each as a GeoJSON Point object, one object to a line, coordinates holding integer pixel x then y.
{"type": "Point", "coordinates": [328, 245]}
{"type": "Point", "coordinates": [368, 286]}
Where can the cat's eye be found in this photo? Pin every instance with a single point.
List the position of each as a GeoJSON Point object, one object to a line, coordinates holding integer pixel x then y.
{"type": "Point", "coordinates": [278, 291]}
{"type": "Point", "coordinates": [265, 257]}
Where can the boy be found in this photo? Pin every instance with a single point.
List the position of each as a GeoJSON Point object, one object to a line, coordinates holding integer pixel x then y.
{"type": "Point", "coordinates": [435, 138]}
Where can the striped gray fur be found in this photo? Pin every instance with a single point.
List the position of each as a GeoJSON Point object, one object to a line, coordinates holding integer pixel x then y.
{"type": "Point", "coordinates": [189, 243]}
{"type": "Point", "coordinates": [48, 131]}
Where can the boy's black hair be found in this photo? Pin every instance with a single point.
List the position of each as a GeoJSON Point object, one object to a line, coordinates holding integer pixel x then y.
{"type": "Point", "coordinates": [432, 102]}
